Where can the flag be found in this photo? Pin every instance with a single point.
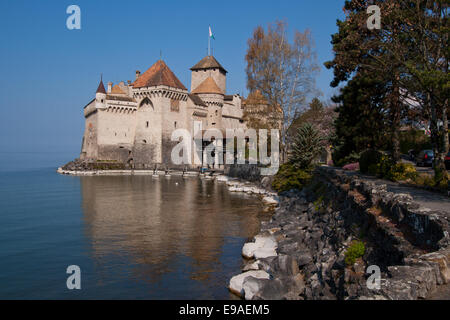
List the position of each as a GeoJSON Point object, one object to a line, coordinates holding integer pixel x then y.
{"type": "Point", "coordinates": [211, 34]}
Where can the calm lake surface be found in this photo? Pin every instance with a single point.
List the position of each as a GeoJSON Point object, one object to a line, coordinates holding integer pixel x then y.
{"type": "Point", "coordinates": [134, 237]}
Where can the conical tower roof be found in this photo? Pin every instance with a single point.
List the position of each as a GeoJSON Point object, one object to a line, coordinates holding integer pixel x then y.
{"type": "Point", "coordinates": [101, 87]}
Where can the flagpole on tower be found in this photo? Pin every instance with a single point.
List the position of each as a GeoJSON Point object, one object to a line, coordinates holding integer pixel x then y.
{"type": "Point", "coordinates": [209, 41]}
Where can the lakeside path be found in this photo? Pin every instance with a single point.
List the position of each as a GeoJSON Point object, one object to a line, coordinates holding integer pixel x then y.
{"type": "Point", "coordinates": [427, 199]}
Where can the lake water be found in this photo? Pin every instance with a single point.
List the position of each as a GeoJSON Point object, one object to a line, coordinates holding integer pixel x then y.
{"type": "Point", "coordinates": [134, 237]}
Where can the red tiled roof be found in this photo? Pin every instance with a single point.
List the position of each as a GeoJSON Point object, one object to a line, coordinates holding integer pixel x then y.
{"type": "Point", "coordinates": [158, 74]}
{"type": "Point", "coordinates": [116, 90]}
{"type": "Point", "coordinates": [208, 86]}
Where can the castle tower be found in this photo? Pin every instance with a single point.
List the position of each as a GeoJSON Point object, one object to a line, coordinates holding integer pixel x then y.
{"type": "Point", "coordinates": [213, 97]}
{"type": "Point", "coordinates": [206, 68]}
{"type": "Point", "coordinates": [100, 95]}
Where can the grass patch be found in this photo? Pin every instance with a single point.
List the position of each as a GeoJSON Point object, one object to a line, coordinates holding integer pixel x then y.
{"type": "Point", "coordinates": [355, 251]}
{"type": "Point", "coordinates": [289, 177]}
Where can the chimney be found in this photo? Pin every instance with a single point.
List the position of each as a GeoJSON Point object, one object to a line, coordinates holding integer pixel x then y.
{"type": "Point", "coordinates": [110, 86]}
{"type": "Point", "coordinates": [138, 73]}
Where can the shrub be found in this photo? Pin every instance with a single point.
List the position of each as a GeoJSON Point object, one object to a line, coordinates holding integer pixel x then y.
{"type": "Point", "coordinates": [369, 158]}
{"type": "Point", "coordinates": [390, 170]}
{"type": "Point", "coordinates": [427, 180]}
{"type": "Point", "coordinates": [355, 251]}
{"type": "Point", "coordinates": [306, 147]}
{"type": "Point", "coordinates": [351, 166]}
{"type": "Point", "coordinates": [424, 179]}
{"type": "Point", "coordinates": [351, 158]}
{"type": "Point", "coordinates": [289, 177]}
{"type": "Point", "coordinates": [401, 171]}
{"type": "Point", "coordinates": [373, 169]}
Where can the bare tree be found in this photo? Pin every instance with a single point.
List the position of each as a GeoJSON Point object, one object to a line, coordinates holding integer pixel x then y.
{"type": "Point", "coordinates": [283, 72]}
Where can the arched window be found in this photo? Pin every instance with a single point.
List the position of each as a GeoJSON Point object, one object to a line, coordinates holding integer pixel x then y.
{"type": "Point", "coordinates": [146, 103]}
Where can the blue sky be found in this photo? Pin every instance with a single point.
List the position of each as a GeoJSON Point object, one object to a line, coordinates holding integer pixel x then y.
{"type": "Point", "coordinates": [48, 73]}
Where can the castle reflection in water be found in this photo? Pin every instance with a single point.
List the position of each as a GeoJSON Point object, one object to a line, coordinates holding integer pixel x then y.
{"type": "Point", "coordinates": [168, 229]}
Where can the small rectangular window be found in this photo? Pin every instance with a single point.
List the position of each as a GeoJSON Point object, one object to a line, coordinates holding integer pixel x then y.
{"type": "Point", "coordinates": [175, 124]}
{"type": "Point", "coordinates": [147, 124]}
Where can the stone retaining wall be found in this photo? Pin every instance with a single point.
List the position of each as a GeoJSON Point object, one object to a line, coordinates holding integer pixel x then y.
{"type": "Point", "coordinates": [300, 253]}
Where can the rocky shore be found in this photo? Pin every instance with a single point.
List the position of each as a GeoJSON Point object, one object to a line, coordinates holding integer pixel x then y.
{"type": "Point", "coordinates": [301, 252]}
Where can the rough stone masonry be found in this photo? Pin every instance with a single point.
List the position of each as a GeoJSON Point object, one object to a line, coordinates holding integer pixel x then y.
{"type": "Point", "coordinates": [300, 252]}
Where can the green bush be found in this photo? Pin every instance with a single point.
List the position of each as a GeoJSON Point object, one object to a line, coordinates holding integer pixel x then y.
{"type": "Point", "coordinates": [289, 177]}
{"type": "Point", "coordinates": [340, 162]}
{"type": "Point", "coordinates": [355, 251]}
{"type": "Point", "coordinates": [388, 169]}
{"type": "Point", "coordinates": [369, 158]}
{"type": "Point", "coordinates": [373, 169]}
{"type": "Point", "coordinates": [402, 171]}
{"type": "Point", "coordinates": [425, 180]}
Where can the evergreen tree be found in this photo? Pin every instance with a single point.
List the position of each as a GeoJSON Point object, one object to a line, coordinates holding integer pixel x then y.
{"type": "Point", "coordinates": [361, 121]}
{"type": "Point", "coordinates": [306, 146]}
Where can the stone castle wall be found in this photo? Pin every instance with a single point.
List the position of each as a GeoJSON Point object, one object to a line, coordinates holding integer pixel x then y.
{"type": "Point", "coordinates": [198, 76]}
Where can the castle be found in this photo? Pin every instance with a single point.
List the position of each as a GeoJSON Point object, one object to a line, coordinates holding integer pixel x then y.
{"type": "Point", "coordinates": [132, 122]}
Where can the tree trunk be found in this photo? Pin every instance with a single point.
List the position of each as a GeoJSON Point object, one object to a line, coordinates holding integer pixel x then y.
{"type": "Point", "coordinates": [445, 128]}
{"type": "Point", "coordinates": [396, 106]}
{"type": "Point", "coordinates": [438, 142]}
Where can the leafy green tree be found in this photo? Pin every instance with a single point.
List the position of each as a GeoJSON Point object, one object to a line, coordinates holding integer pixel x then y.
{"type": "Point", "coordinates": [306, 147]}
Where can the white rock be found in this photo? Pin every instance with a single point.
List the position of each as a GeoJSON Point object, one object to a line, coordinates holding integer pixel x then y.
{"type": "Point", "coordinates": [251, 266]}
{"type": "Point", "coordinates": [248, 250]}
{"type": "Point", "coordinates": [263, 247]}
{"type": "Point", "coordinates": [266, 241]}
{"type": "Point", "coordinates": [261, 253]}
{"type": "Point", "coordinates": [222, 178]}
{"type": "Point", "coordinates": [270, 200]}
{"type": "Point", "coordinates": [236, 283]}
